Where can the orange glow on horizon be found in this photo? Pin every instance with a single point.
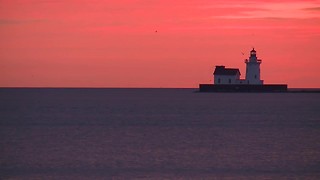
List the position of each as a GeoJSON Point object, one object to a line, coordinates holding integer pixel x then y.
{"type": "Point", "coordinates": [141, 43]}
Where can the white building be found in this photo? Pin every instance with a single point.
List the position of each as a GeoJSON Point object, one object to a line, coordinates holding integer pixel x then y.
{"type": "Point", "coordinates": [224, 75]}
{"type": "Point", "coordinates": [253, 69]}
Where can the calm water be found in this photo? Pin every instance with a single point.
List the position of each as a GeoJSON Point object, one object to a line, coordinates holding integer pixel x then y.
{"type": "Point", "coordinates": [158, 134]}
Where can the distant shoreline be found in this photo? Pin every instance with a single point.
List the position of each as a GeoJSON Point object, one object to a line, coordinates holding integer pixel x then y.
{"type": "Point", "coordinates": [303, 90]}
{"type": "Point", "coordinates": [95, 88]}
{"type": "Point", "coordinates": [290, 90]}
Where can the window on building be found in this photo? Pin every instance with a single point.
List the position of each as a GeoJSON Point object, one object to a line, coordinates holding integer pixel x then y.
{"type": "Point", "coordinates": [255, 76]}
{"type": "Point", "coordinates": [219, 80]}
{"type": "Point", "coordinates": [229, 81]}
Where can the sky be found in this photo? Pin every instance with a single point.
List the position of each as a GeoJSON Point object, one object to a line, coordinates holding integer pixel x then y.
{"type": "Point", "coordinates": [156, 43]}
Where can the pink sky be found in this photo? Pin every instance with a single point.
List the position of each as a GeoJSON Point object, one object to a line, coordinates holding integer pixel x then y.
{"type": "Point", "coordinates": [113, 43]}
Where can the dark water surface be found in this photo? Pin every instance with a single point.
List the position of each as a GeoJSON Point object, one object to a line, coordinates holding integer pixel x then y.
{"type": "Point", "coordinates": [158, 134]}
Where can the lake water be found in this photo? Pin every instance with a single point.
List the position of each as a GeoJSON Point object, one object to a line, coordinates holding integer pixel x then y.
{"type": "Point", "coordinates": [158, 134]}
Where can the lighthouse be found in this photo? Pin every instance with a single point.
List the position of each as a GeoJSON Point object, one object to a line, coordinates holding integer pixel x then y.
{"type": "Point", "coordinates": [253, 69]}
{"type": "Point", "coordinates": [228, 79]}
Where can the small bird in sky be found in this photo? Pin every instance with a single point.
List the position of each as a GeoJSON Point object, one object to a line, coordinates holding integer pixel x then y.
{"type": "Point", "coordinates": [242, 53]}
{"type": "Point", "coordinates": [156, 31]}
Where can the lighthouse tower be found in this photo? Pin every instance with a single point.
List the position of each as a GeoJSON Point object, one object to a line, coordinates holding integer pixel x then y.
{"type": "Point", "coordinates": [253, 69]}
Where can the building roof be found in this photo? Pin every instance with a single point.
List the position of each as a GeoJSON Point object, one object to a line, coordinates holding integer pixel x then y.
{"type": "Point", "coordinates": [221, 70]}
